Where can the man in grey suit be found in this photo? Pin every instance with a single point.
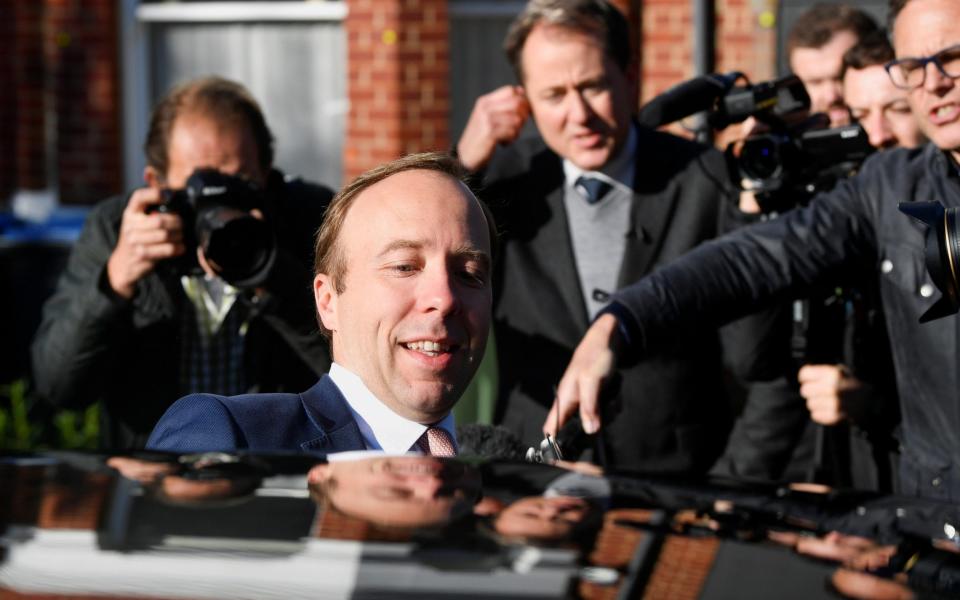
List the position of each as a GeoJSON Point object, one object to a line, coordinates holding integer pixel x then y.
{"type": "Point", "coordinates": [593, 204]}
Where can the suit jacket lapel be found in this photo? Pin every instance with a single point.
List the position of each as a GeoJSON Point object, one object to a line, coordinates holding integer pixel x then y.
{"type": "Point", "coordinates": [653, 204]}
{"type": "Point", "coordinates": [560, 262]}
{"type": "Point", "coordinates": [327, 410]}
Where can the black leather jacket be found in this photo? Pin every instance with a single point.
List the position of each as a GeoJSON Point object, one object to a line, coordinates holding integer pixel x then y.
{"type": "Point", "coordinates": [94, 345]}
{"type": "Point", "coordinates": [855, 226]}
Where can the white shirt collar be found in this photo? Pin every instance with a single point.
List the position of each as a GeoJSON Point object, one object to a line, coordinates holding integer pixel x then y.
{"type": "Point", "coordinates": [381, 428]}
{"type": "Point", "coordinates": [619, 172]}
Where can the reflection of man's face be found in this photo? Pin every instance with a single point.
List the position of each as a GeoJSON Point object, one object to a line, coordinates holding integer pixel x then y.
{"type": "Point", "coordinates": [138, 469]}
{"type": "Point", "coordinates": [542, 518]}
{"type": "Point", "coordinates": [819, 70]}
{"type": "Point", "coordinates": [881, 108]}
{"type": "Point", "coordinates": [580, 98]}
{"type": "Point", "coordinates": [413, 316]}
{"type": "Point", "coordinates": [404, 491]}
{"type": "Point", "coordinates": [186, 490]}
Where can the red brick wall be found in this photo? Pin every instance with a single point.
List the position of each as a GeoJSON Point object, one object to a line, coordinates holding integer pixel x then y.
{"type": "Point", "coordinates": [398, 69]}
{"type": "Point", "coordinates": [81, 49]}
{"type": "Point", "coordinates": [64, 55]}
{"type": "Point", "coordinates": [666, 45]}
{"type": "Point", "coordinates": [744, 36]}
{"type": "Point", "coordinates": [746, 39]}
{"type": "Point", "coordinates": [22, 160]}
{"type": "Point", "coordinates": [66, 50]}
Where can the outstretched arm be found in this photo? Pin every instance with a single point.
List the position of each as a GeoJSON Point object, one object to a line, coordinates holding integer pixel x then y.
{"type": "Point", "coordinates": [713, 284]}
{"type": "Point", "coordinates": [593, 361]}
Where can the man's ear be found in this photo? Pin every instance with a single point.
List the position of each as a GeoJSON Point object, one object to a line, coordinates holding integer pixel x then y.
{"type": "Point", "coordinates": [152, 177]}
{"type": "Point", "coordinates": [318, 473]}
{"type": "Point", "coordinates": [325, 297]}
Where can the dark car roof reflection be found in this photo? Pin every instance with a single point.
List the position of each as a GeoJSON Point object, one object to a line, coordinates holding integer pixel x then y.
{"type": "Point", "coordinates": [218, 525]}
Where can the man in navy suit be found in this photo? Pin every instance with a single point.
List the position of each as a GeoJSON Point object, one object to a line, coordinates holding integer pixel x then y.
{"type": "Point", "coordinates": [402, 290]}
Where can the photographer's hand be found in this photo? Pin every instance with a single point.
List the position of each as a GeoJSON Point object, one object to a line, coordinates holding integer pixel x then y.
{"type": "Point", "coordinates": [145, 239]}
{"type": "Point", "coordinates": [833, 394]}
{"type": "Point", "coordinates": [497, 118]}
{"type": "Point", "coordinates": [593, 361]}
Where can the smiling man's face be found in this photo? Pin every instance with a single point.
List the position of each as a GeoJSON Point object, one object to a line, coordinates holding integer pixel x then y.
{"type": "Point", "coordinates": [401, 491]}
{"type": "Point", "coordinates": [414, 311]}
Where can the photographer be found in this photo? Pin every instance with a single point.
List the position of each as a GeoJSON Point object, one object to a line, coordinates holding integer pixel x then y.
{"type": "Point", "coordinates": [878, 105]}
{"type": "Point", "coordinates": [848, 382]}
{"type": "Point", "coordinates": [145, 312]}
{"type": "Point", "coordinates": [816, 44]}
{"type": "Point", "coordinates": [856, 226]}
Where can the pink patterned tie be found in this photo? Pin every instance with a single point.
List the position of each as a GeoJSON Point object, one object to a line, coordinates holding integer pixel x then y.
{"type": "Point", "coordinates": [436, 442]}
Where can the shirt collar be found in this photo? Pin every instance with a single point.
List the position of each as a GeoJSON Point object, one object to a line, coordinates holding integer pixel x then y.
{"type": "Point", "coordinates": [380, 427]}
{"type": "Point", "coordinates": [619, 172]}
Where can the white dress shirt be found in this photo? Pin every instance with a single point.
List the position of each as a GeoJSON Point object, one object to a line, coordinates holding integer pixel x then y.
{"type": "Point", "coordinates": [380, 427]}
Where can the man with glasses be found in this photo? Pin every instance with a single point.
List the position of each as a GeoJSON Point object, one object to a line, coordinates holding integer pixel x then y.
{"type": "Point", "coordinates": [854, 227]}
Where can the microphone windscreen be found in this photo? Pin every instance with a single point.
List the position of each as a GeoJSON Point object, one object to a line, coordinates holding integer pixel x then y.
{"type": "Point", "coordinates": [489, 441]}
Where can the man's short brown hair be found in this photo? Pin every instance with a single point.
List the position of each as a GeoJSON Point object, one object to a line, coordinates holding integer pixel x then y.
{"type": "Point", "coordinates": [328, 253]}
{"type": "Point", "coordinates": [817, 26]}
{"type": "Point", "coordinates": [872, 50]}
{"type": "Point", "coordinates": [225, 101]}
{"type": "Point", "coordinates": [597, 18]}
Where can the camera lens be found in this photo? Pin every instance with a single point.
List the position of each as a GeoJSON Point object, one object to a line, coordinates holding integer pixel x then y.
{"type": "Point", "coordinates": [240, 247]}
{"type": "Point", "coordinates": [760, 158]}
{"type": "Point", "coordinates": [941, 254]}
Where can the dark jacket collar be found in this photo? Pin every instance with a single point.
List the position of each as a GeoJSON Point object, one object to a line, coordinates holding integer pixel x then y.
{"type": "Point", "coordinates": [327, 410]}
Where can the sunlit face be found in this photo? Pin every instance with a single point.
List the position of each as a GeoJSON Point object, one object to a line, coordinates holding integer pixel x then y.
{"type": "Point", "coordinates": [413, 315]}
{"type": "Point", "coordinates": [405, 491]}
{"type": "Point", "coordinates": [199, 141]}
{"type": "Point", "coordinates": [922, 28]}
{"type": "Point", "coordinates": [881, 108]}
{"type": "Point", "coordinates": [580, 99]}
{"type": "Point", "coordinates": [819, 70]}
{"type": "Point", "coordinates": [542, 518]}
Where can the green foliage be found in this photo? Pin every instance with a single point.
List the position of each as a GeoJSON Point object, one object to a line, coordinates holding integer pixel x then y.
{"type": "Point", "coordinates": [23, 427]}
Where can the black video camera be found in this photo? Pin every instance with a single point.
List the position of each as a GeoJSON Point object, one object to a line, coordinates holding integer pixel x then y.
{"type": "Point", "coordinates": [724, 102]}
{"type": "Point", "coordinates": [788, 167]}
{"type": "Point", "coordinates": [785, 166]}
{"type": "Point", "coordinates": [216, 213]}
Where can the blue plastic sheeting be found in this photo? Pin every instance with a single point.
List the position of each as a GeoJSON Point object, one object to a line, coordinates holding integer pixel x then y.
{"type": "Point", "coordinates": [63, 226]}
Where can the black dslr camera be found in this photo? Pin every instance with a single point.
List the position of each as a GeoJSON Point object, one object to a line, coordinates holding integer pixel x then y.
{"type": "Point", "coordinates": [215, 209]}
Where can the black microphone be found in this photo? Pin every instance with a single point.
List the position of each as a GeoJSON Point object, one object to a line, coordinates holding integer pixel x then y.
{"type": "Point", "coordinates": [687, 98]}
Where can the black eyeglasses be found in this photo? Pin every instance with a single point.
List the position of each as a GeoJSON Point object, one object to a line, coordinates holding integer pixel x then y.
{"type": "Point", "coordinates": [910, 73]}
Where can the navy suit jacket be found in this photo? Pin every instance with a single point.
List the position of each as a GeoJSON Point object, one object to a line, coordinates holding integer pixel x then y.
{"type": "Point", "coordinates": [317, 420]}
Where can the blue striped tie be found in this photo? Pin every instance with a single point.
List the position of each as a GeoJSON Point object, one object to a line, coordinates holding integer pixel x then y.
{"type": "Point", "coordinates": [595, 188]}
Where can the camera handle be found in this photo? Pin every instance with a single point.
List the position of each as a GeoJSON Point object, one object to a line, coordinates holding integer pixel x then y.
{"type": "Point", "coordinates": [819, 336]}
